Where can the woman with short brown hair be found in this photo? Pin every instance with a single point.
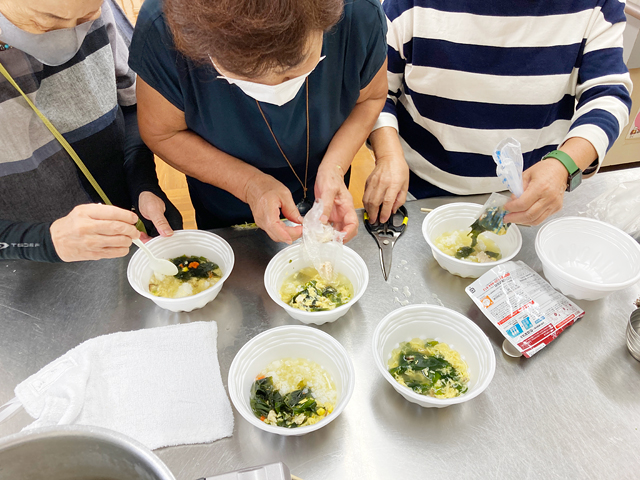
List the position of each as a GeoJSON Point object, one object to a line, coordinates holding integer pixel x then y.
{"type": "Point", "coordinates": [263, 104]}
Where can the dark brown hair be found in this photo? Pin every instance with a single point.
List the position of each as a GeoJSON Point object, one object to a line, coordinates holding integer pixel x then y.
{"type": "Point", "coordinates": [249, 37]}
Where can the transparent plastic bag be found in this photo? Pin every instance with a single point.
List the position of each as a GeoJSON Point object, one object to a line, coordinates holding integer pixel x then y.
{"type": "Point", "coordinates": [509, 164]}
{"type": "Point", "coordinates": [492, 217]}
{"type": "Point", "coordinates": [620, 207]}
{"type": "Point", "coordinates": [322, 243]}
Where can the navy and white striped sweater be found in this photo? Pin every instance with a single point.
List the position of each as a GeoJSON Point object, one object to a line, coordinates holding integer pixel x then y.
{"type": "Point", "coordinates": [465, 74]}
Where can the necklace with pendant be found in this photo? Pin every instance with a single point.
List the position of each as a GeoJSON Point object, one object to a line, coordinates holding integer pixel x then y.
{"type": "Point", "coordinates": [304, 205]}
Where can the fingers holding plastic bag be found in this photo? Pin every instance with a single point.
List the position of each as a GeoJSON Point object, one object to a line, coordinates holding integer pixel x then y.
{"type": "Point", "coordinates": [322, 243]}
{"type": "Point", "coordinates": [337, 202]}
{"type": "Point", "coordinates": [343, 215]}
{"type": "Point", "coordinates": [538, 192]}
{"type": "Point", "coordinates": [268, 199]}
{"type": "Point", "coordinates": [543, 196]}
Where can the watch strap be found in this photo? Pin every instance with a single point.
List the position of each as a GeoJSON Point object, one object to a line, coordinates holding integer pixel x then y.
{"type": "Point", "coordinates": [575, 174]}
{"type": "Point", "coordinates": [564, 159]}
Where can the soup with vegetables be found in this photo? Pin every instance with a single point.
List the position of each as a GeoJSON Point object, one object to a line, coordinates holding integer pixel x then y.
{"type": "Point", "coordinates": [293, 392]}
{"type": "Point", "coordinates": [307, 290]}
{"type": "Point", "coordinates": [195, 275]}
{"type": "Point", "coordinates": [429, 367]}
{"type": "Point", "coordinates": [463, 245]}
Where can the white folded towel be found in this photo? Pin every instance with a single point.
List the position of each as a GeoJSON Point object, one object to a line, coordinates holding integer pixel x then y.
{"type": "Point", "coordinates": [160, 386]}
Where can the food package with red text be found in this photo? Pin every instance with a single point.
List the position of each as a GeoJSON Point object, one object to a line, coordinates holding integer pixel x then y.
{"type": "Point", "coordinates": [523, 306]}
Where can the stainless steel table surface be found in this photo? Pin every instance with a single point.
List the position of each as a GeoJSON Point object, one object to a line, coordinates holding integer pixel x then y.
{"type": "Point", "coordinates": [571, 411]}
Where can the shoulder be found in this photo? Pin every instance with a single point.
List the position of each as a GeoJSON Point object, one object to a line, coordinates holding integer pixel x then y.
{"type": "Point", "coordinates": [151, 20]}
{"type": "Point", "coordinates": [394, 8]}
{"type": "Point", "coordinates": [612, 10]}
{"type": "Point", "coordinates": [151, 36]}
{"type": "Point", "coordinates": [364, 17]}
{"type": "Point", "coordinates": [364, 12]}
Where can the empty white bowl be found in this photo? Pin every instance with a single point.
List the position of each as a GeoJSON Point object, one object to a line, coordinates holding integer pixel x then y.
{"type": "Point", "coordinates": [182, 242]}
{"type": "Point", "coordinates": [458, 216]}
{"type": "Point", "coordinates": [290, 341]}
{"type": "Point", "coordinates": [587, 259]}
{"type": "Point", "coordinates": [444, 325]}
{"type": "Point", "coordinates": [291, 260]}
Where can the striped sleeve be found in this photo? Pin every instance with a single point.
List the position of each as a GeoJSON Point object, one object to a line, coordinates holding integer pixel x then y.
{"type": "Point", "coordinates": [395, 67]}
{"type": "Point", "coordinates": [604, 85]}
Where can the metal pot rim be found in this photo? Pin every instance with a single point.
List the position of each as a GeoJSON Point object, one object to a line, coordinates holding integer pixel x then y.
{"type": "Point", "coordinates": [97, 433]}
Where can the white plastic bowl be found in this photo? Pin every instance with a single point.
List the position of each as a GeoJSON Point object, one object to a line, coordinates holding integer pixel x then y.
{"type": "Point", "coordinates": [443, 325]}
{"type": "Point", "coordinates": [458, 216]}
{"type": "Point", "coordinates": [289, 341]}
{"type": "Point", "coordinates": [587, 259]}
{"type": "Point", "coordinates": [291, 260]}
{"type": "Point", "coordinates": [183, 242]}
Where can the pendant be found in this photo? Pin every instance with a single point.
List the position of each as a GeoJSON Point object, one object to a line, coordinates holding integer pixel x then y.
{"type": "Point", "coordinates": [304, 206]}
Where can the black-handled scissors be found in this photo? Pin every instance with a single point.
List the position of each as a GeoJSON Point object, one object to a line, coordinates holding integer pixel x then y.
{"type": "Point", "coordinates": [386, 235]}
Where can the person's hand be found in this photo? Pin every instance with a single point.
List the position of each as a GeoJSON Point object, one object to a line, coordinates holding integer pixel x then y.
{"type": "Point", "coordinates": [152, 208]}
{"type": "Point", "coordinates": [544, 186]}
{"type": "Point", "coordinates": [386, 188]}
{"type": "Point", "coordinates": [337, 201]}
{"type": "Point", "coordinates": [93, 231]}
{"type": "Point", "coordinates": [267, 197]}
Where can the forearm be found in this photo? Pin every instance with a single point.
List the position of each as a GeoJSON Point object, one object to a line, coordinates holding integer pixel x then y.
{"type": "Point", "coordinates": [139, 165]}
{"type": "Point", "coordinates": [191, 154]}
{"type": "Point", "coordinates": [163, 127]}
{"type": "Point", "coordinates": [352, 134]}
{"type": "Point", "coordinates": [27, 240]}
{"type": "Point", "coordinates": [385, 143]}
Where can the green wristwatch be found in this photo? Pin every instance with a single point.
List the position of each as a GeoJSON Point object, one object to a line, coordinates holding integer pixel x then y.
{"type": "Point", "coordinates": [575, 174]}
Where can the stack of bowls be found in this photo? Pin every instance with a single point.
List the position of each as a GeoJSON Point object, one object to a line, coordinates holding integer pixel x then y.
{"type": "Point", "coordinates": [290, 342]}
{"type": "Point", "coordinates": [633, 334]}
{"type": "Point", "coordinates": [292, 259]}
{"type": "Point", "coordinates": [458, 216]}
{"type": "Point", "coordinates": [184, 242]}
{"type": "Point", "coordinates": [587, 259]}
{"type": "Point", "coordinates": [444, 325]}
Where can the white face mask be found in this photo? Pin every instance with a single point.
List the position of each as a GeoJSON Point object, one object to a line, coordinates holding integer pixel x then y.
{"type": "Point", "coordinates": [273, 94]}
{"type": "Point", "coordinates": [51, 48]}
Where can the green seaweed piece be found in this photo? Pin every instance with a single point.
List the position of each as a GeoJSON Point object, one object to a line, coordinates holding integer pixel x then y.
{"type": "Point", "coordinates": [329, 292]}
{"type": "Point", "coordinates": [264, 398]}
{"type": "Point", "coordinates": [204, 269]}
{"type": "Point", "coordinates": [491, 220]}
{"type": "Point", "coordinates": [432, 367]}
{"type": "Point", "coordinates": [464, 252]}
